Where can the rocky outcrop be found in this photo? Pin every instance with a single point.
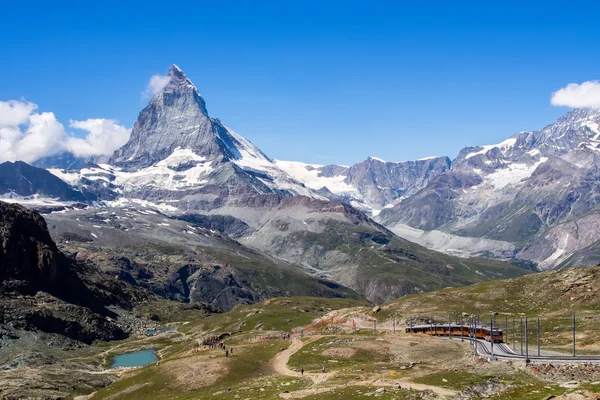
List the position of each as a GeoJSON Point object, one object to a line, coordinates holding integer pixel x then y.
{"type": "Point", "coordinates": [41, 288]}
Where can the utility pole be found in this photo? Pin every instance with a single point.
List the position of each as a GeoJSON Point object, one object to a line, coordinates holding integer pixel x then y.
{"type": "Point", "coordinates": [521, 336]}
{"type": "Point", "coordinates": [513, 332]}
{"type": "Point", "coordinates": [492, 337]}
{"type": "Point", "coordinates": [573, 335]}
{"type": "Point", "coordinates": [374, 327]}
{"type": "Point", "coordinates": [431, 324]}
{"type": "Point", "coordinates": [526, 343]}
{"type": "Point", "coordinates": [538, 335]}
{"type": "Point", "coordinates": [449, 323]}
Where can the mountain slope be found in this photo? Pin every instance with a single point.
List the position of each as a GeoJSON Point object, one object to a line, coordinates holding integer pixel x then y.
{"type": "Point", "coordinates": [369, 185]}
{"type": "Point", "coordinates": [516, 190]}
{"type": "Point", "coordinates": [19, 179]}
{"type": "Point", "coordinates": [182, 162]}
{"type": "Point", "coordinates": [41, 288]}
{"type": "Point", "coordinates": [183, 259]}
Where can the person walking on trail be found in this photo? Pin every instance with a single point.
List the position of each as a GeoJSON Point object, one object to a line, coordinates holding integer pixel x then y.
{"type": "Point", "coordinates": [231, 351]}
{"type": "Point", "coordinates": [226, 353]}
{"type": "Point", "coordinates": [302, 371]}
{"type": "Point", "coordinates": [323, 368]}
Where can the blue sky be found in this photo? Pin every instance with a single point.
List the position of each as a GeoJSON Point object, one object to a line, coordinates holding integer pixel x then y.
{"type": "Point", "coordinates": [320, 82]}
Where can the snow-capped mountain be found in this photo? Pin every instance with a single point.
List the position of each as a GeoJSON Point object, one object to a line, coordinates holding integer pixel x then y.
{"type": "Point", "coordinates": [178, 154]}
{"type": "Point", "coordinates": [20, 182]}
{"type": "Point", "coordinates": [515, 191]}
{"type": "Point", "coordinates": [370, 185]}
{"type": "Point", "coordinates": [180, 161]}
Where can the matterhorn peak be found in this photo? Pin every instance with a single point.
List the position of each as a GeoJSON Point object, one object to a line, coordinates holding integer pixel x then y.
{"type": "Point", "coordinates": [177, 75]}
{"type": "Point", "coordinates": [176, 120]}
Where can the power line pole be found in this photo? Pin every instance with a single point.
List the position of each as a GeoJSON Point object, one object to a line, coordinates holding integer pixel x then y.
{"type": "Point", "coordinates": [526, 343]}
{"type": "Point", "coordinates": [449, 323]}
{"type": "Point", "coordinates": [492, 337]}
{"type": "Point", "coordinates": [513, 332]}
{"type": "Point", "coordinates": [431, 324]}
{"type": "Point", "coordinates": [573, 335]}
{"type": "Point", "coordinates": [538, 335]}
{"type": "Point", "coordinates": [521, 336]}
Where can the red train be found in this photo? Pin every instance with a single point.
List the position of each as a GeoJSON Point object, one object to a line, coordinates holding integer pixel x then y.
{"type": "Point", "coordinates": [480, 331]}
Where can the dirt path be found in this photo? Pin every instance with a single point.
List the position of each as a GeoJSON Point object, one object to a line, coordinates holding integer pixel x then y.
{"type": "Point", "coordinates": [279, 365]}
{"type": "Point", "coordinates": [280, 361]}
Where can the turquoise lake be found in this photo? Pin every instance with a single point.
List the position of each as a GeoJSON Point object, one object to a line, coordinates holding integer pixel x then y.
{"type": "Point", "coordinates": [135, 359]}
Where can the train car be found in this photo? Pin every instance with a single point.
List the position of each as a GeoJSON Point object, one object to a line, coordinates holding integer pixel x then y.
{"type": "Point", "coordinates": [458, 330]}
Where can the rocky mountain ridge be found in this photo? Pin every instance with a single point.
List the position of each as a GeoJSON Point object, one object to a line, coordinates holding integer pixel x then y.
{"type": "Point", "coordinates": [517, 191]}
{"type": "Point", "coordinates": [180, 162]}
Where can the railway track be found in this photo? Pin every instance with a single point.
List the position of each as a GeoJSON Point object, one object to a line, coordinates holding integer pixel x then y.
{"type": "Point", "coordinates": [503, 351]}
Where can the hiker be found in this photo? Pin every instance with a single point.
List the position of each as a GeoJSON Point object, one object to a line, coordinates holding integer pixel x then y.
{"type": "Point", "coordinates": [226, 353]}
{"type": "Point", "coordinates": [231, 350]}
{"type": "Point", "coordinates": [323, 369]}
{"type": "Point", "coordinates": [302, 371]}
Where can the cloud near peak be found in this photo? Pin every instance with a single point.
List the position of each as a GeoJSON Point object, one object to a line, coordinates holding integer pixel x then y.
{"type": "Point", "coordinates": [574, 95]}
{"type": "Point", "coordinates": [156, 84]}
{"type": "Point", "coordinates": [27, 135]}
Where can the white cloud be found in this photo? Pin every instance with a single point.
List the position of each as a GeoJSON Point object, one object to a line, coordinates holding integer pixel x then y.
{"type": "Point", "coordinates": [103, 138]}
{"type": "Point", "coordinates": [156, 84]}
{"type": "Point", "coordinates": [574, 95]}
{"type": "Point", "coordinates": [28, 136]}
{"type": "Point", "coordinates": [15, 113]}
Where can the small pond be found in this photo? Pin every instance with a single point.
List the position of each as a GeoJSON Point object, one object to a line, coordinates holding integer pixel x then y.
{"type": "Point", "coordinates": [135, 359]}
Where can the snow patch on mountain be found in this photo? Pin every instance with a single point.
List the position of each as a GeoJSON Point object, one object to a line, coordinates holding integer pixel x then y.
{"type": "Point", "coordinates": [310, 176]}
{"type": "Point", "coordinates": [507, 144]}
{"type": "Point", "coordinates": [180, 156]}
{"type": "Point", "coordinates": [512, 175]}
{"type": "Point", "coordinates": [35, 200]}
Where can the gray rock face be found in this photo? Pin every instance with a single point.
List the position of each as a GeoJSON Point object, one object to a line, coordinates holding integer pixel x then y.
{"type": "Point", "coordinates": [382, 183]}
{"type": "Point", "coordinates": [34, 271]}
{"type": "Point", "coordinates": [21, 179]}
{"type": "Point", "coordinates": [515, 190]}
{"type": "Point", "coordinates": [176, 117]}
{"type": "Point", "coordinates": [369, 185]}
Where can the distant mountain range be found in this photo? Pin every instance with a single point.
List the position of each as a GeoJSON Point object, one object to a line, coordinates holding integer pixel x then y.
{"type": "Point", "coordinates": [531, 200]}
{"type": "Point", "coordinates": [185, 165]}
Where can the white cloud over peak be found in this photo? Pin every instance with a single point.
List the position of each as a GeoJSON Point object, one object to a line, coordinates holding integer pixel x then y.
{"type": "Point", "coordinates": [574, 95]}
{"type": "Point", "coordinates": [156, 84]}
{"type": "Point", "coordinates": [27, 135]}
{"type": "Point", "coordinates": [103, 138]}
